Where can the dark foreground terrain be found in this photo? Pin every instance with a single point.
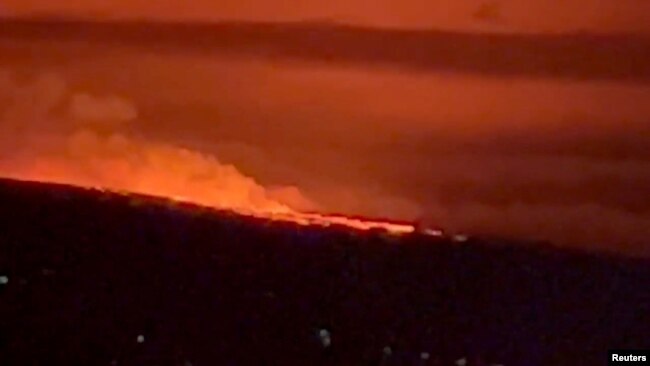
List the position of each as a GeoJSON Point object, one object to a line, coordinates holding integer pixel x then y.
{"type": "Point", "coordinates": [94, 279]}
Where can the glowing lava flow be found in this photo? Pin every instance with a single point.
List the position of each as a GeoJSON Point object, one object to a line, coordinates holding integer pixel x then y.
{"type": "Point", "coordinates": [276, 212]}
{"type": "Point", "coordinates": [121, 165]}
{"type": "Point", "coordinates": [286, 214]}
{"type": "Point", "coordinates": [355, 223]}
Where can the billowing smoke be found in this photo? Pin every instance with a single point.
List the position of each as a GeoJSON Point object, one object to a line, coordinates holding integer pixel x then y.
{"type": "Point", "coordinates": [53, 133]}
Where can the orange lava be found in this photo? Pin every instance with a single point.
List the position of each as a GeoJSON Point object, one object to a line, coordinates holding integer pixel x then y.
{"type": "Point", "coordinates": [355, 223]}
{"type": "Point", "coordinates": [286, 214]}
{"type": "Point", "coordinates": [274, 212]}
{"type": "Point", "coordinates": [120, 164]}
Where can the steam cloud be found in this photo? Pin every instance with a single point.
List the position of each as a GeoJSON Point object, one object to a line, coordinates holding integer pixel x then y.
{"type": "Point", "coordinates": [52, 133]}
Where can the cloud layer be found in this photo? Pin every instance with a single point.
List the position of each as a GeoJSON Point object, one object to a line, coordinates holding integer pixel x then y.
{"type": "Point", "coordinates": [515, 16]}
{"type": "Point", "coordinates": [572, 56]}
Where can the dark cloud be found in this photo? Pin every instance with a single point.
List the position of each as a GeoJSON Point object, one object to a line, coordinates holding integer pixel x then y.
{"type": "Point", "coordinates": [564, 56]}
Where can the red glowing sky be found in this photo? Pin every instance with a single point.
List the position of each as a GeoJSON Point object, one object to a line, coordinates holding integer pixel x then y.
{"type": "Point", "coordinates": [534, 132]}
{"type": "Point", "coordinates": [502, 15]}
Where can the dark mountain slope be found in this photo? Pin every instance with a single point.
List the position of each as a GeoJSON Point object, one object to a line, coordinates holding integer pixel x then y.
{"type": "Point", "coordinates": [88, 273]}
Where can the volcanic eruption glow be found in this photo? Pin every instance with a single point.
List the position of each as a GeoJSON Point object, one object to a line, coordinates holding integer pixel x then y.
{"type": "Point", "coordinates": [242, 196]}
{"type": "Point", "coordinates": [59, 136]}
